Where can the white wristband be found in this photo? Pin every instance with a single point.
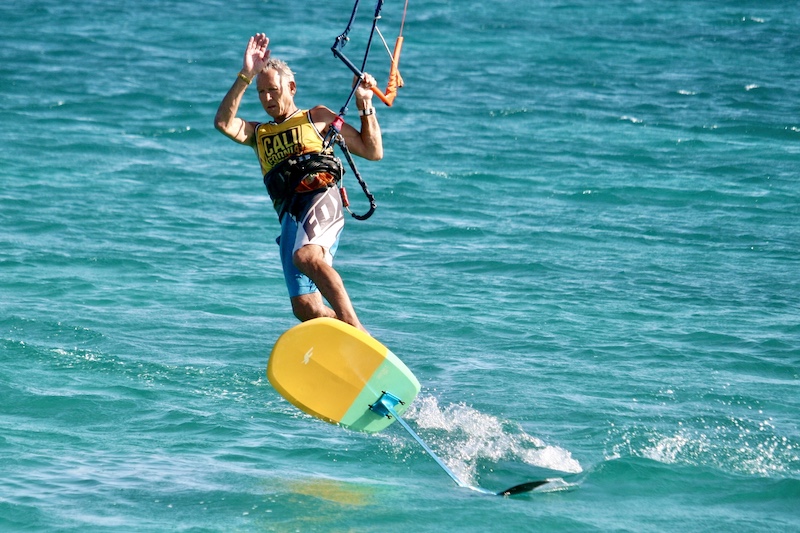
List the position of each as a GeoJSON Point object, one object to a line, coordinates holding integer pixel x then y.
{"type": "Point", "coordinates": [366, 112]}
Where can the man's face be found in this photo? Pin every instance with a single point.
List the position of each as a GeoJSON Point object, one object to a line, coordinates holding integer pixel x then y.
{"type": "Point", "coordinates": [276, 94]}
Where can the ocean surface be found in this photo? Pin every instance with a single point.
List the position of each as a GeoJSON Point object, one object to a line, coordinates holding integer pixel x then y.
{"type": "Point", "coordinates": [586, 247]}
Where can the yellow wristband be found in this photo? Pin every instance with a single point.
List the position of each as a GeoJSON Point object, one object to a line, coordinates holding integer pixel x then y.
{"type": "Point", "coordinates": [245, 79]}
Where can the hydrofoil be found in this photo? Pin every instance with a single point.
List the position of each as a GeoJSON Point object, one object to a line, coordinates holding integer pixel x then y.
{"type": "Point", "coordinates": [339, 374]}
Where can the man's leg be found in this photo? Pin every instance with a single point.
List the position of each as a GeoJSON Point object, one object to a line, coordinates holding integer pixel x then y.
{"type": "Point", "coordinates": [308, 306]}
{"type": "Point", "coordinates": [310, 260]}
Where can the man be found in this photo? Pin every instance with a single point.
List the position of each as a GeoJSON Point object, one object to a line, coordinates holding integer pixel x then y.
{"type": "Point", "coordinates": [301, 176]}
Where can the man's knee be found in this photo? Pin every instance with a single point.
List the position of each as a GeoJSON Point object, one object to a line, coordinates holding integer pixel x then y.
{"type": "Point", "coordinates": [308, 258]}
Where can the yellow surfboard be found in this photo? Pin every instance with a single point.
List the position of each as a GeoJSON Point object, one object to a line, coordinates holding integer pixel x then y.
{"type": "Point", "coordinates": [336, 372]}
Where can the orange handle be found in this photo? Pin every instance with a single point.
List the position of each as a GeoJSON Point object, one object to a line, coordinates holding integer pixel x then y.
{"type": "Point", "coordinates": [385, 99]}
{"type": "Point", "coordinates": [395, 80]}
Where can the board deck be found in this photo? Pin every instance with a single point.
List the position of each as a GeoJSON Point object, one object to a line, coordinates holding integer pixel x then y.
{"type": "Point", "coordinates": [335, 372]}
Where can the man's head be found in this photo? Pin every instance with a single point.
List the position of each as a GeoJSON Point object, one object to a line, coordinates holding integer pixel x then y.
{"type": "Point", "coordinates": [276, 89]}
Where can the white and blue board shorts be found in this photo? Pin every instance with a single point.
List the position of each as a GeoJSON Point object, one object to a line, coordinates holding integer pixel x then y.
{"type": "Point", "coordinates": [318, 219]}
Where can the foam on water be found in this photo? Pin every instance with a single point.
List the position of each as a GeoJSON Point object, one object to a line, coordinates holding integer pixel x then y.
{"type": "Point", "coordinates": [467, 437]}
{"type": "Point", "coordinates": [749, 447]}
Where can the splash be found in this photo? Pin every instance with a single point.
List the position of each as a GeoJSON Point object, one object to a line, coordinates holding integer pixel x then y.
{"type": "Point", "coordinates": [731, 444]}
{"type": "Point", "coordinates": [464, 436]}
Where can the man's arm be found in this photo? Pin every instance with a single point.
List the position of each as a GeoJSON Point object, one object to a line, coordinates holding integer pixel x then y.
{"type": "Point", "coordinates": [367, 143]}
{"type": "Point", "coordinates": [370, 135]}
{"type": "Point", "coordinates": [226, 121]}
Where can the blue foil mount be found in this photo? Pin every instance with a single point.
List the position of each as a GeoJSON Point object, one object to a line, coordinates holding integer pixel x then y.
{"type": "Point", "coordinates": [385, 405]}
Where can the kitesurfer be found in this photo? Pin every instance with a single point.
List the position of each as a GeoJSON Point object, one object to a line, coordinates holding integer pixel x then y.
{"type": "Point", "coordinates": [301, 174]}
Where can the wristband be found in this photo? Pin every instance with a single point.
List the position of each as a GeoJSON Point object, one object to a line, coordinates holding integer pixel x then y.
{"type": "Point", "coordinates": [366, 112]}
{"type": "Point", "coordinates": [245, 79]}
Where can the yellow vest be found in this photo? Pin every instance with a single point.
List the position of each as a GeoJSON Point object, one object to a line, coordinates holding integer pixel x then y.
{"type": "Point", "coordinates": [296, 135]}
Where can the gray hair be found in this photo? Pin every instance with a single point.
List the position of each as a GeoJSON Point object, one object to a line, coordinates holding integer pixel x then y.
{"type": "Point", "coordinates": [280, 67]}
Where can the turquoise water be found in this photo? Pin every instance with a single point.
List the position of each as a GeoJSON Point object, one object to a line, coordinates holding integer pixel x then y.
{"type": "Point", "coordinates": [586, 248]}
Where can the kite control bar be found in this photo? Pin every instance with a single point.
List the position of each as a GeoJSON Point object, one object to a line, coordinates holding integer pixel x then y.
{"type": "Point", "coordinates": [387, 97]}
{"type": "Point", "coordinates": [395, 80]}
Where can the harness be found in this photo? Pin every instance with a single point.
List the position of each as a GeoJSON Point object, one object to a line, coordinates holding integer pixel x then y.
{"type": "Point", "coordinates": [284, 179]}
